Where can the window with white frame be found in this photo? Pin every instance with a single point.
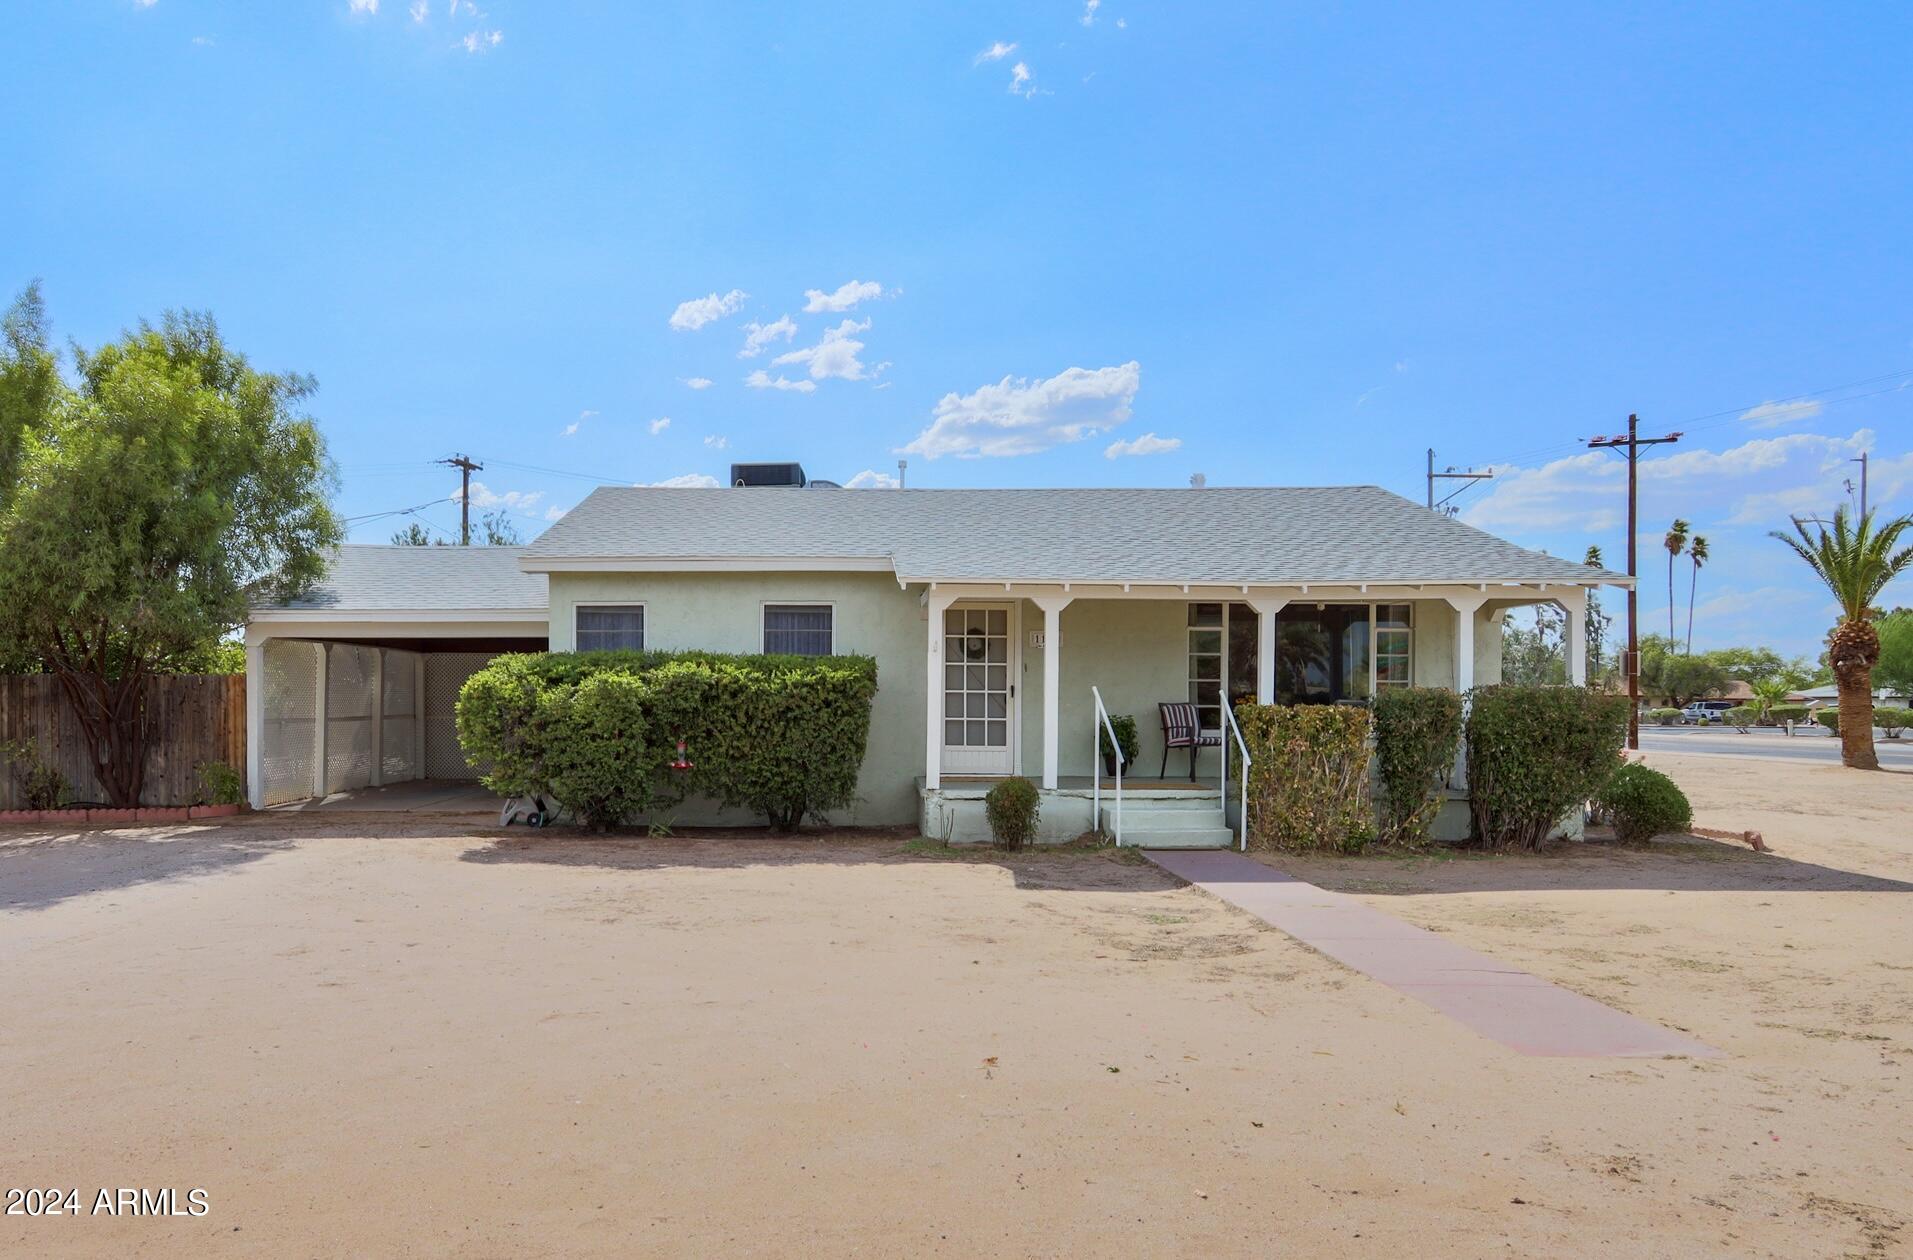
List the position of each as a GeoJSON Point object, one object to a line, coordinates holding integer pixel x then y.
{"type": "Point", "coordinates": [1325, 654]}
{"type": "Point", "coordinates": [610, 627]}
{"type": "Point", "coordinates": [799, 629]}
{"type": "Point", "coordinates": [1394, 645]}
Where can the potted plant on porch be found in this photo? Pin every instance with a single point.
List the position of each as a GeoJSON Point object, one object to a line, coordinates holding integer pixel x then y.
{"type": "Point", "coordinates": [1125, 725]}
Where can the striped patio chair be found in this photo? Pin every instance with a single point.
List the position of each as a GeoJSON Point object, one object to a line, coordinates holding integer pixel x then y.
{"type": "Point", "coordinates": [1182, 728]}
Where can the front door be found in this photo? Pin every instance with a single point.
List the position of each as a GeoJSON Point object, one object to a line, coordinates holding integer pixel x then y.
{"type": "Point", "coordinates": [979, 689]}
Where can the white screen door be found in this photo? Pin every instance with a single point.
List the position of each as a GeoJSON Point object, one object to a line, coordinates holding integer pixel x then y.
{"type": "Point", "coordinates": [979, 690]}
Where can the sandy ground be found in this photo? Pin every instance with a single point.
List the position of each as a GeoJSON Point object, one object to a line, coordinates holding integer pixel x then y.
{"type": "Point", "coordinates": [378, 1036]}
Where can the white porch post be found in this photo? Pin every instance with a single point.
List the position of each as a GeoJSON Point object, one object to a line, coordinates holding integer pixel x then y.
{"type": "Point", "coordinates": [318, 725]}
{"type": "Point", "coordinates": [1052, 606]}
{"type": "Point", "coordinates": [1265, 611]}
{"type": "Point", "coordinates": [1466, 604]}
{"type": "Point", "coordinates": [256, 722]}
{"type": "Point", "coordinates": [1574, 603]}
{"type": "Point", "coordinates": [935, 605]}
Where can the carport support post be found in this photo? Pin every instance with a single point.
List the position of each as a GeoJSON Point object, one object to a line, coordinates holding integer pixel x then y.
{"type": "Point", "coordinates": [935, 605]}
{"type": "Point", "coordinates": [318, 726]}
{"type": "Point", "coordinates": [1052, 606]}
{"type": "Point", "coordinates": [256, 723]}
{"type": "Point", "coordinates": [1266, 609]}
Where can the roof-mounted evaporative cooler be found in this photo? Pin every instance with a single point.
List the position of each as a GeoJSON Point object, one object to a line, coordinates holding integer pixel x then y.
{"type": "Point", "coordinates": [754, 475]}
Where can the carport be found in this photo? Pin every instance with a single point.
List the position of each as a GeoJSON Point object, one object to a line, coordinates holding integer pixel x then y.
{"type": "Point", "coordinates": [353, 685]}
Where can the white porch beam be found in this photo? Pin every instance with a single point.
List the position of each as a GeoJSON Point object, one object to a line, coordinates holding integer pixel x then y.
{"type": "Point", "coordinates": [935, 606]}
{"type": "Point", "coordinates": [256, 721]}
{"type": "Point", "coordinates": [1052, 606]}
{"type": "Point", "coordinates": [1266, 609]}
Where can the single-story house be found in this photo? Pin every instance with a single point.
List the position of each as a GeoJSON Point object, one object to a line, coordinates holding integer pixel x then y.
{"type": "Point", "coordinates": [998, 619]}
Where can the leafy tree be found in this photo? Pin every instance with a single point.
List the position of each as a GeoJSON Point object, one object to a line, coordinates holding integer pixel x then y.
{"type": "Point", "coordinates": [1599, 666]}
{"type": "Point", "coordinates": [1895, 670]}
{"type": "Point", "coordinates": [1697, 552]}
{"type": "Point", "coordinates": [499, 530]}
{"type": "Point", "coordinates": [1532, 657]}
{"type": "Point", "coordinates": [1856, 563]}
{"type": "Point", "coordinates": [1678, 678]}
{"type": "Point", "coordinates": [414, 535]}
{"type": "Point", "coordinates": [1675, 542]}
{"type": "Point", "coordinates": [149, 499]}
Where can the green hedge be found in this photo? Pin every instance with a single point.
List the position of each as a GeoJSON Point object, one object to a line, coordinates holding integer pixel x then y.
{"type": "Point", "coordinates": [1417, 733]}
{"type": "Point", "coordinates": [1741, 715]}
{"type": "Point", "coordinates": [1308, 777]}
{"type": "Point", "coordinates": [1643, 803]}
{"type": "Point", "coordinates": [783, 736]}
{"type": "Point", "coordinates": [1662, 717]}
{"type": "Point", "coordinates": [1535, 754]}
{"type": "Point", "coordinates": [1829, 718]}
{"type": "Point", "coordinates": [1012, 807]}
{"type": "Point", "coordinates": [1892, 720]}
{"type": "Point", "coordinates": [1781, 714]}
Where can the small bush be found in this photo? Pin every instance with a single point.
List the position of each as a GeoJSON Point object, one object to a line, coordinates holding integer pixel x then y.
{"type": "Point", "coordinates": [1126, 737]}
{"type": "Point", "coordinates": [219, 784]}
{"type": "Point", "coordinates": [40, 785]}
{"type": "Point", "coordinates": [1829, 718]}
{"type": "Point", "coordinates": [1644, 803]}
{"type": "Point", "coordinates": [1781, 714]}
{"type": "Point", "coordinates": [1742, 716]}
{"type": "Point", "coordinates": [1013, 807]}
{"type": "Point", "coordinates": [1536, 753]}
{"type": "Point", "coordinates": [1417, 733]}
{"type": "Point", "coordinates": [1892, 720]}
{"type": "Point", "coordinates": [1663, 717]}
{"type": "Point", "coordinates": [1308, 777]}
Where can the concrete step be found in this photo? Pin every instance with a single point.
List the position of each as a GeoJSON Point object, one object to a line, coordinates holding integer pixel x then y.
{"type": "Point", "coordinates": [1178, 828]}
{"type": "Point", "coordinates": [1205, 838]}
{"type": "Point", "coordinates": [1178, 801]}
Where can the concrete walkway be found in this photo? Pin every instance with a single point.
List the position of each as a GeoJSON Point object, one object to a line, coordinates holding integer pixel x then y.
{"type": "Point", "coordinates": [1520, 1010]}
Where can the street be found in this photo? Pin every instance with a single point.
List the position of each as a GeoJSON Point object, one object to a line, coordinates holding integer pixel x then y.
{"type": "Point", "coordinates": [1810, 743]}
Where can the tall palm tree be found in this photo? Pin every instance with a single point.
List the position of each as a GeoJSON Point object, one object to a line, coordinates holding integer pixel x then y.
{"type": "Point", "coordinates": [1675, 542]}
{"type": "Point", "coordinates": [1697, 552]}
{"type": "Point", "coordinates": [1856, 563]}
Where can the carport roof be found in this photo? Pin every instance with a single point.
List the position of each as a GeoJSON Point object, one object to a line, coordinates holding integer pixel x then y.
{"type": "Point", "coordinates": [368, 578]}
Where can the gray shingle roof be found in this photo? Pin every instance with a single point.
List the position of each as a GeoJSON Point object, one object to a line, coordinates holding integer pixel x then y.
{"type": "Point", "coordinates": [385, 578]}
{"type": "Point", "coordinates": [1269, 535]}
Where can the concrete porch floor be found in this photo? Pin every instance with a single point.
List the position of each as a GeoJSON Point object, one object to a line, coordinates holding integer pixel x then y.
{"type": "Point", "coordinates": [978, 784]}
{"type": "Point", "coordinates": [419, 796]}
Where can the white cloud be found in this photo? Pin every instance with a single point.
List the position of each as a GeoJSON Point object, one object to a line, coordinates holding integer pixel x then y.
{"type": "Point", "coordinates": [483, 496]}
{"type": "Point", "coordinates": [204, 41]}
{"type": "Point", "coordinates": [555, 513]}
{"type": "Point", "coordinates": [364, 6]}
{"type": "Point", "coordinates": [660, 425]}
{"type": "Point", "coordinates": [760, 379]}
{"type": "Point", "coordinates": [418, 11]}
{"type": "Point", "coordinates": [1147, 444]}
{"type": "Point", "coordinates": [481, 41]}
{"type": "Point", "coordinates": [995, 52]}
{"type": "Point", "coordinates": [571, 429]}
{"type": "Point", "coordinates": [846, 297]}
{"type": "Point", "coordinates": [694, 314]}
{"type": "Point", "coordinates": [690, 481]}
{"type": "Point", "coordinates": [757, 336]}
{"type": "Point", "coordinates": [1122, 24]}
{"type": "Point", "coordinates": [1020, 83]}
{"type": "Point", "coordinates": [1771, 415]}
{"type": "Point", "coordinates": [1016, 416]}
{"type": "Point", "coordinates": [835, 355]}
{"type": "Point", "coordinates": [145, 4]}
{"type": "Point", "coordinates": [871, 479]}
{"type": "Point", "coordinates": [1089, 11]}
{"type": "Point", "coordinates": [696, 382]}
{"type": "Point", "coordinates": [716, 442]}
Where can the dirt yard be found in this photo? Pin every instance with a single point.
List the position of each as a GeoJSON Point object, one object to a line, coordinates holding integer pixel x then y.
{"type": "Point", "coordinates": [373, 1036]}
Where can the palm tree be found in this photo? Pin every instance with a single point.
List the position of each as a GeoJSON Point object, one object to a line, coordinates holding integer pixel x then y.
{"type": "Point", "coordinates": [1856, 563]}
{"type": "Point", "coordinates": [1697, 552]}
{"type": "Point", "coordinates": [1675, 542]}
{"type": "Point", "coordinates": [1770, 691]}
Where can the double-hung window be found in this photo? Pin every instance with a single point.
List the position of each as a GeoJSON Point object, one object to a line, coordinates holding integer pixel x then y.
{"type": "Point", "coordinates": [610, 627]}
{"type": "Point", "coordinates": [799, 629]}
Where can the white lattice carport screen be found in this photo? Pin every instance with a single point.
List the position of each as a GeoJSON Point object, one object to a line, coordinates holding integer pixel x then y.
{"type": "Point", "coordinates": [399, 749]}
{"type": "Point", "coordinates": [445, 673]}
{"type": "Point", "coordinates": [288, 743]}
{"type": "Point", "coordinates": [349, 706]}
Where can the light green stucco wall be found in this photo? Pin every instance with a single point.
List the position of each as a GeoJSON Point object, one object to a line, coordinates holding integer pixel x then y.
{"type": "Point", "coordinates": [1136, 652]}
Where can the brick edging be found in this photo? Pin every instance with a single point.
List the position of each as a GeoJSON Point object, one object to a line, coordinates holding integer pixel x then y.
{"type": "Point", "coordinates": [176, 813]}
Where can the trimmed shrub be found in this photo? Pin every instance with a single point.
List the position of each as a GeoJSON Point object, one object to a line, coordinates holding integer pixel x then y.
{"type": "Point", "coordinates": [1013, 807]}
{"type": "Point", "coordinates": [1643, 803]}
{"type": "Point", "coordinates": [1741, 715]}
{"type": "Point", "coordinates": [1829, 718]}
{"type": "Point", "coordinates": [1892, 720]}
{"type": "Point", "coordinates": [1781, 714]}
{"type": "Point", "coordinates": [1308, 778]}
{"type": "Point", "coordinates": [1126, 737]}
{"type": "Point", "coordinates": [1417, 733]}
{"type": "Point", "coordinates": [1663, 717]}
{"type": "Point", "coordinates": [598, 761]}
{"type": "Point", "coordinates": [219, 784]}
{"type": "Point", "coordinates": [40, 785]}
{"type": "Point", "coordinates": [1536, 753]}
{"type": "Point", "coordinates": [783, 736]}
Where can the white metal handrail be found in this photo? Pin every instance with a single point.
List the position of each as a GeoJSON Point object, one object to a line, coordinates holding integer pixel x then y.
{"type": "Point", "coordinates": [1096, 767]}
{"type": "Point", "coordinates": [1242, 746]}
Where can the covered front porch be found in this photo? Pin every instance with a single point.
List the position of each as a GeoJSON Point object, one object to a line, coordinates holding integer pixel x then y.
{"type": "Point", "coordinates": [1015, 672]}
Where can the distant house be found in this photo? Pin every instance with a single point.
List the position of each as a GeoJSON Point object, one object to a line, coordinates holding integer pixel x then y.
{"type": "Point", "coordinates": [996, 617]}
{"type": "Point", "coordinates": [1820, 697]}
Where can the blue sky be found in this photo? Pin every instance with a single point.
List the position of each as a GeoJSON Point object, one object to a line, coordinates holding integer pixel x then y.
{"type": "Point", "coordinates": [1029, 244]}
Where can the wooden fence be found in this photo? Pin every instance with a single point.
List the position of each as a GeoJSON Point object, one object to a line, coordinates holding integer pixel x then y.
{"type": "Point", "coordinates": [191, 719]}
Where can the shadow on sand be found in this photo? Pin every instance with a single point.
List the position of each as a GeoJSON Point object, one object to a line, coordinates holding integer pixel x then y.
{"type": "Point", "coordinates": [44, 871]}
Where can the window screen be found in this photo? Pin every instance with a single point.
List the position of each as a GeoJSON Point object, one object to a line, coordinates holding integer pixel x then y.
{"type": "Point", "coordinates": [798, 629]}
{"type": "Point", "coordinates": [608, 629]}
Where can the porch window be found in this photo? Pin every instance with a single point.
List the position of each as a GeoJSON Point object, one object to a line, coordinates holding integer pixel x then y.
{"type": "Point", "coordinates": [610, 627]}
{"type": "Point", "coordinates": [1394, 644]}
{"type": "Point", "coordinates": [798, 629]}
{"type": "Point", "coordinates": [1340, 653]}
{"type": "Point", "coordinates": [1221, 658]}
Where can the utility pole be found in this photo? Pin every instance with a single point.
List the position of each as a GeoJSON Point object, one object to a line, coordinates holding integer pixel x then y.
{"type": "Point", "coordinates": [1467, 479]}
{"type": "Point", "coordinates": [1862, 462]}
{"type": "Point", "coordinates": [466, 468]}
{"type": "Point", "coordinates": [1632, 662]}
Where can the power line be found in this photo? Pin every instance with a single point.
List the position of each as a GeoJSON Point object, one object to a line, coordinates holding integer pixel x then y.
{"type": "Point", "coordinates": [466, 467]}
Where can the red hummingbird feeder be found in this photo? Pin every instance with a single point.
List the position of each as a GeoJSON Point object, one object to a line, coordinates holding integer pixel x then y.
{"type": "Point", "coordinates": [682, 763]}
